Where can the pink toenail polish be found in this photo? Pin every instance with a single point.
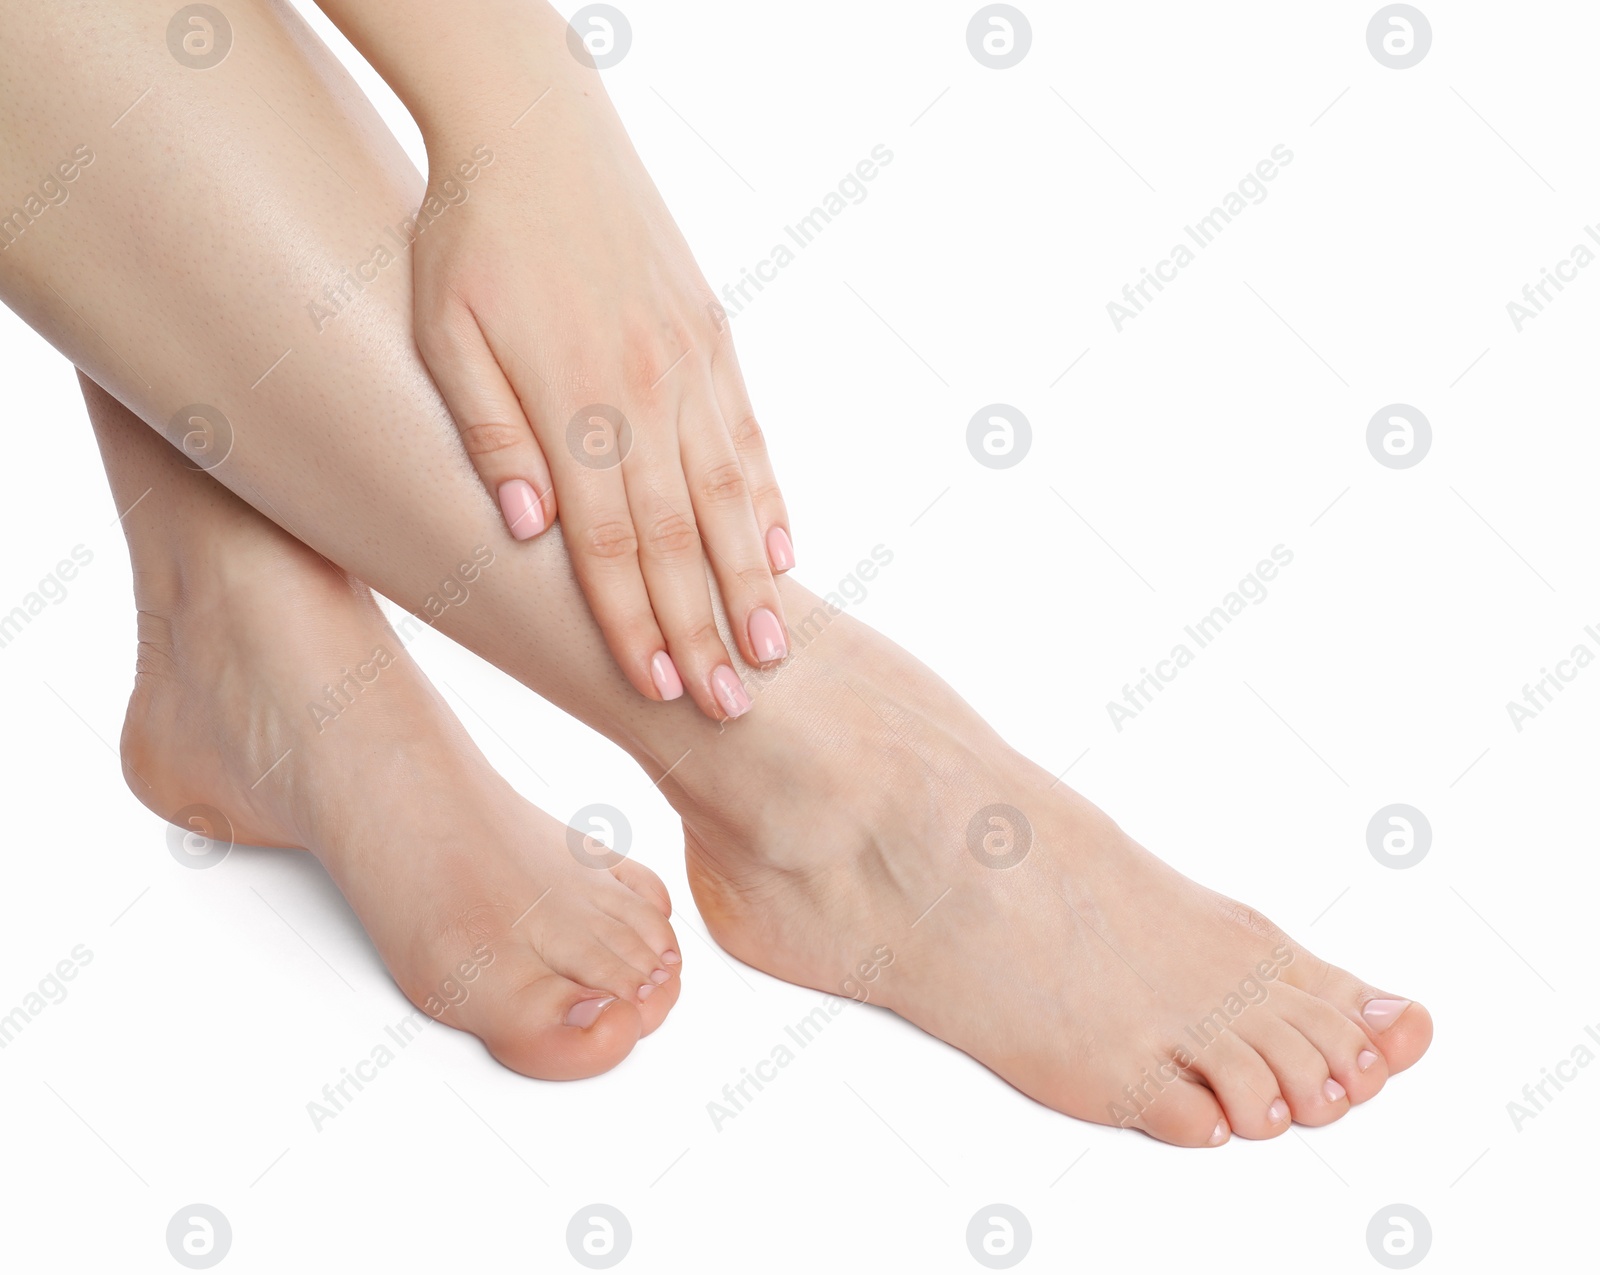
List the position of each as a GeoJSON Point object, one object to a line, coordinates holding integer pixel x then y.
{"type": "Point", "coordinates": [659, 976]}
{"type": "Point", "coordinates": [1365, 1059]}
{"type": "Point", "coordinates": [523, 510]}
{"type": "Point", "coordinates": [1381, 1013]}
{"type": "Point", "coordinates": [671, 957]}
{"type": "Point", "coordinates": [1332, 1090]}
{"type": "Point", "coordinates": [664, 673]}
{"type": "Point", "coordinates": [766, 635]}
{"type": "Point", "coordinates": [585, 1013]}
{"type": "Point", "coordinates": [645, 989]}
{"type": "Point", "coordinates": [730, 691]}
{"type": "Point", "coordinates": [1278, 1112]}
{"type": "Point", "coordinates": [1219, 1135]}
{"type": "Point", "coordinates": [780, 549]}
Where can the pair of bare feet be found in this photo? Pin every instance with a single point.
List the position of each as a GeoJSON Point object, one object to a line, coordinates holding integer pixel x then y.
{"type": "Point", "coordinates": [862, 811]}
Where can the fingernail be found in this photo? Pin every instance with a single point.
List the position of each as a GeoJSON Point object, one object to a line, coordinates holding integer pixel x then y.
{"type": "Point", "coordinates": [584, 1013]}
{"type": "Point", "coordinates": [766, 635]}
{"type": "Point", "coordinates": [1332, 1090]}
{"type": "Point", "coordinates": [659, 976]}
{"type": "Point", "coordinates": [1382, 1012]}
{"type": "Point", "coordinates": [730, 691]}
{"type": "Point", "coordinates": [1278, 1112]}
{"type": "Point", "coordinates": [1219, 1135]}
{"type": "Point", "coordinates": [645, 989]}
{"type": "Point", "coordinates": [523, 510]}
{"type": "Point", "coordinates": [780, 549]}
{"type": "Point", "coordinates": [1365, 1059]}
{"type": "Point", "coordinates": [664, 673]}
{"type": "Point", "coordinates": [670, 957]}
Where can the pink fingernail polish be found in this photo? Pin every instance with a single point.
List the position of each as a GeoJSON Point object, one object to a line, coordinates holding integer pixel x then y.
{"type": "Point", "coordinates": [1278, 1112]}
{"type": "Point", "coordinates": [664, 673]}
{"type": "Point", "coordinates": [645, 989]}
{"type": "Point", "coordinates": [670, 957]}
{"type": "Point", "coordinates": [585, 1013]}
{"type": "Point", "coordinates": [1382, 1012]}
{"type": "Point", "coordinates": [1332, 1090]}
{"type": "Point", "coordinates": [767, 636]}
{"type": "Point", "coordinates": [730, 691]}
{"type": "Point", "coordinates": [780, 549]}
{"type": "Point", "coordinates": [1365, 1059]}
{"type": "Point", "coordinates": [1219, 1135]}
{"type": "Point", "coordinates": [659, 976]}
{"type": "Point", "coordinates": [523, 510]}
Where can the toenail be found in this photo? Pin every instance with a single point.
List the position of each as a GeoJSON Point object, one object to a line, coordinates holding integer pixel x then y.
{"type": "Point", "coordinates": [645, 989]}
{"type": "Point", "coordinates": [670, 957]}
{"type": "Point", "coordinates": [1365, 1059]}
{"type": "Point", "coordinates": [1381, 1013]}
{"type": "Point", "coordinates": [1219, 1135]}
{"type": "Point", "coordinates": [659, 976]}
{"type": "Point", "coordinates": [1332, 1090]}
{"type": "Point", "coordinates": [730, 691]}
{"type": "Point", "coordinates": [1278, 1112]}
{"type": "Point", "coordinates": [584, 1013]}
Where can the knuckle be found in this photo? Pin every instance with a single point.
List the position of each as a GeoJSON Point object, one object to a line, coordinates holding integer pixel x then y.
{"type": "Point", "coordinates": [724, 483]}
{"type": "Point", "coordinates": [765, 495]}
{"type": "Point", "coordinates": [747, 435]}
{"type": "Point", "coordinates": [702, 635]}
{"type": "Point", "coordinates": [611, 539]}
{"type": "Point", "coordinates": [671, 536]}
{"type": "Point", "coordinates": [491, 437]}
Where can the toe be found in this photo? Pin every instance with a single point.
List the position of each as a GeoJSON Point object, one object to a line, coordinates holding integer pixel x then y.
{"type": "Point", "coordinates": [643, 918]}
{"type": "Point", "coordinates": [1399, 1029]}
{"type": "Point", "coordinates": [1313, 1095]}
{"type": "Point", "coordinates": [1186, 1114]}
{"type": "Point", "coordinates": [1345, 1048]}
{"type": "Point", "coordinates": [554, 1029]}
{"type": "Point", "coordinates": [645, 883]}
{"type": "Point", "coordinates": [1244, 1085]}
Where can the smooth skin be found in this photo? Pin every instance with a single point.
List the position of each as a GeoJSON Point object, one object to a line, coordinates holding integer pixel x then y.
{"type": "Point", "coordinates": [832, 822]}
{"type": "Point", "coordinates": [561, 283]}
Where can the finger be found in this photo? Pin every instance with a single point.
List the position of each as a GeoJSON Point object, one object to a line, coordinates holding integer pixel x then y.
{"type": "Point", "coordinates": [604, 546]}
{"type": "Point", "coordinates": [739, 561]}
{"type": "Point", "coordinates": [675, 574]}
{"type": "Point", "coordinates": [772, 515]}
{"type": "Point", "coordinates": [494, 429]}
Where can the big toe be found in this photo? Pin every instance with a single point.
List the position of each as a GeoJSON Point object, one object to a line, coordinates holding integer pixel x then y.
{"type": "Point", "coordinates": [551, 1028]}
{"type": "Point", "coordinates": [1401, 1029]}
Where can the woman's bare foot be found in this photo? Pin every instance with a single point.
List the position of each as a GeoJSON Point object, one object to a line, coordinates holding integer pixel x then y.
{"type": "Point", "coordinates": [871, 836]}
{"type": "Point", "coordinates": [483, 916]}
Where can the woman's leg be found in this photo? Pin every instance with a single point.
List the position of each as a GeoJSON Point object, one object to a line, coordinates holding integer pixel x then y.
{"type": "Point", "coordinates": [273, 705]}
{"type": "Point", "coordinates": [846, 821]}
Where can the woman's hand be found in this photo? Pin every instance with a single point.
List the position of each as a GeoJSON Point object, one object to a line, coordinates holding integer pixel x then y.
{"type": "Point", "coordinates": [586, 363]}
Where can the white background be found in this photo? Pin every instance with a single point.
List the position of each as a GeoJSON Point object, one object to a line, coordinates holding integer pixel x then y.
{"type": "Point", "coordinates": [1224, 421]}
